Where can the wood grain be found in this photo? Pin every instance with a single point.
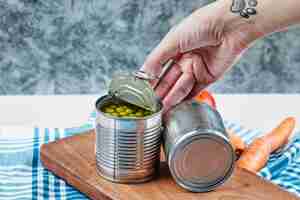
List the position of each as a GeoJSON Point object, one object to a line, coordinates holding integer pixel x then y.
{"type": "Point", "coordinates": [73, 160]}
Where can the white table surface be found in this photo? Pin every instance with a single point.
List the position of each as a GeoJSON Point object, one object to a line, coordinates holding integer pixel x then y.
{"type": "Point", "coordinates": [252, 111]}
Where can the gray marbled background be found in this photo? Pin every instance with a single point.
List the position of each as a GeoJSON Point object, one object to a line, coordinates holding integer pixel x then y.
{"type": "Point", "coordinates": [72, 47]}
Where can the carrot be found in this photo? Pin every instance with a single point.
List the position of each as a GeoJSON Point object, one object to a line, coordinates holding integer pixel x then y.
{"type": "Point", "coordinates": [280, 135]}
{"type": "Point", "coordinates": [206, 97]}
{"type": "Point", "coordinates": [236, 141]}
{"type": "Point", "coordinates": [257, 154]}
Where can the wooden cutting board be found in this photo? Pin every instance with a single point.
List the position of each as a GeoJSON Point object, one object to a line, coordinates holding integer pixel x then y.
{"type": "Point", "coordinates": [73, 159]}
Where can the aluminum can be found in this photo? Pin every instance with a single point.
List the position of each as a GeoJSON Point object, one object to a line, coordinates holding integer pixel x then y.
{"type": "Point", "coordinates": [127, 150]}
{"type": "Point", "coordinates": [197, 147]}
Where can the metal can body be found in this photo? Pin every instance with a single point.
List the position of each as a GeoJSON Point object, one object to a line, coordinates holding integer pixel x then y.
{"type": "Point", "coordinates": [127, 150]}
{"type": "Point", "coordinates": [197, 147]}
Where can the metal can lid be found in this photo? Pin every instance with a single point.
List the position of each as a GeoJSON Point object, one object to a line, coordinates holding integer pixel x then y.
{"type": "Point", "coordinates": [134, 90]}
{"type": "Point", "coordinates": [201, 162]}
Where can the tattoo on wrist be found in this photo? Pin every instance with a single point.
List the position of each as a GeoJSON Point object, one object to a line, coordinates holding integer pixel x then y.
{"type": "Point", "coordinates": [245, 8]}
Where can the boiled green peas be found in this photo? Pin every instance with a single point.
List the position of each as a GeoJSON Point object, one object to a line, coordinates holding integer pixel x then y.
{"type": "Point", "coordinates": [112, 106]}
{"type": "Point", "coordinates": [114, 114]}
{"type": "Point", "coordinates": [123, 114]}
{"type": "Point", "coordinates": [129, 111]}
{"type": "Point", "coordinates": [124, 107]}
{"type": "Point", "coordinates": [109, 110]}
{"type": "Point", "coordinates": [125, 110]}
{"type": "Point", "coordinates": [119, 109]}
{"type": "Point", "coordinates": [147, 113]}
{"type": "Point", "coordinates": [139, 114]}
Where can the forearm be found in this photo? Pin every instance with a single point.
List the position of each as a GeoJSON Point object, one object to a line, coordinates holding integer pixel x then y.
{"type": "Point", "coordinates": [263, 16]}
{"type": "Point", "coordinates": [275, 15]}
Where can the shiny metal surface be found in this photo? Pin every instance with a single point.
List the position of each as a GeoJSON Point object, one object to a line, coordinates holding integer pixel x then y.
{"type": "Point", "coordinates": [143, 75]}
{"type": "Point", "coordinates": [197, 147]}
{"type": "Point", "coordinates": [134, 90]}
{"type": "Point", "coordinates": [127, 150]}
{"type": "Point", "coordinates": [166, 67]}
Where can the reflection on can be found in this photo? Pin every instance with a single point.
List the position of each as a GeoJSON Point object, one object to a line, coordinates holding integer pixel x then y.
{"type": "Point", "coordinates": [198, 151]}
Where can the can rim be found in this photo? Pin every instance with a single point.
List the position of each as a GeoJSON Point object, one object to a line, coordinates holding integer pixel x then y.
{"type": "Point", "coordinates": [127, 85]}
{"type": "Point", "coordinates": [192, 187]}
{"type": "Point", "coordinates": [103, 98]}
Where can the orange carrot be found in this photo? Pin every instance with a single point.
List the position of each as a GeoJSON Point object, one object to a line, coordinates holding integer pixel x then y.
{"type": "Point", "coordinates": [280, 135]}
{"type": "Point", "coordinates": [206, 97]}
{"type": "Point", "coordinates": [257, 154]}
{"type": "Point", "coordinates": [236, 141]}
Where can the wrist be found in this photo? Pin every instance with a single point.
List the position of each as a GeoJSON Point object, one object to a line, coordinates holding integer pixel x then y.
{"type": "Point", "coordinates": [246, 29]}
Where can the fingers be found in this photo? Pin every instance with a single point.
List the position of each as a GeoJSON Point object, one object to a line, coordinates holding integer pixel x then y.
{"type": "Point", "coordinates": [180, 90]}
{"type": "Point", "coordinates": [164, 51]}
{"type": "Point", "coordinates": [168, 81]}
{"type": "Point", "coordinates": [184, 81]}
{"type": "Point", "coordinates": [193, 63]}
{"type": "Point", "coordinates": [198, 87]}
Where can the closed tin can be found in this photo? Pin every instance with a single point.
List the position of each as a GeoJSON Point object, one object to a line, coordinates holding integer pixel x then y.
{"type": "Point", "coordinates": [197, 147]}
{"type": "Point", "coordinates": [128, 149]}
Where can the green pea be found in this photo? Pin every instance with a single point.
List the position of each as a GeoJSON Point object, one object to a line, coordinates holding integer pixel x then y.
{"type": "Point", "coordinates": [114, 114]}
{"type": "Point", "coordinates": [109, 110]}
{"type": "Point", "coordinates": [124, 107]}
{"type": "Point", "coordinates": [112, 106]}
{"type": "Point", "coordinates": [128, 110]}
{"type": "Point", "coordinates": [123, 113]}
{"type": "Point", "coordinates": [139, 114]}
{"type": "Point", "coordinates": [147, 113]}
{"type": "Point", "coordinates": [119, 109]}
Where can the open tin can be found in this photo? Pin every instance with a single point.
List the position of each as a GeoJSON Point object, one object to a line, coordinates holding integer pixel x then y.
{"type": "Point", "coordinates": [197, 147]}
{"type": "Point", "coordinates": [128, 149]}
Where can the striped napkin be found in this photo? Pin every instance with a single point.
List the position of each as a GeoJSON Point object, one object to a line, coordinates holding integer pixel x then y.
{"type": "Point", "coordinates": [23, 177]}
{"type": "Point", "coordinates": [21, 173]}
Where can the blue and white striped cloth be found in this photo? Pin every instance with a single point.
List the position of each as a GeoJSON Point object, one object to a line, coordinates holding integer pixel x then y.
{"type": "Point", "coordinates": [23, 177]}
{"type": "Point", "coordinates": [21, 173]}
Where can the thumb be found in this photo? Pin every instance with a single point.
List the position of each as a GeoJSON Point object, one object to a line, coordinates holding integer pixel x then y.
{"type": "Point", "coordinates": [166, 49]}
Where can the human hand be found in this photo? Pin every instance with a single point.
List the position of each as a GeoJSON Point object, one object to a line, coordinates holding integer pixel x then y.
{"type": "Point", "coordinates": [204, 45]}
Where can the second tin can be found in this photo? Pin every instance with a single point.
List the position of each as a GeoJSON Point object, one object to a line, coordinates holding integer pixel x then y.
{"type": "Point", "coordinates": [197, 147]}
